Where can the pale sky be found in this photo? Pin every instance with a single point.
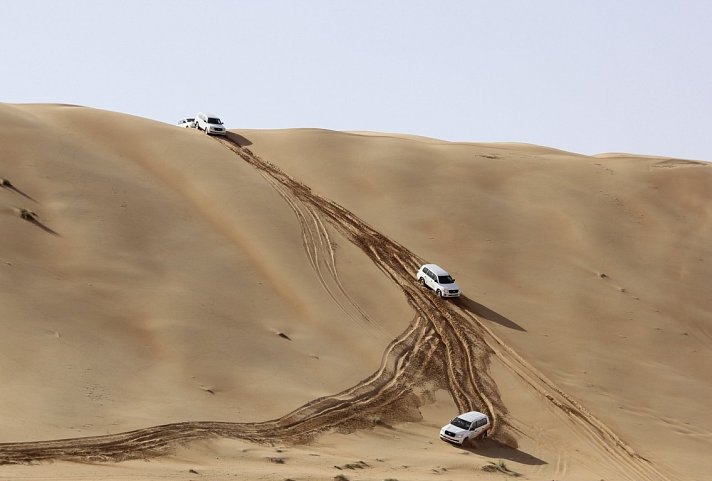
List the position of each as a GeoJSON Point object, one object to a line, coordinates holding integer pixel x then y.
{"type": "Point", "coordinates": [580, 75]}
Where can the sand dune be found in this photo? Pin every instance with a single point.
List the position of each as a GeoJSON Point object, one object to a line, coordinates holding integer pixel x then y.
{"type": "Point", "coordinates": [181, 298]}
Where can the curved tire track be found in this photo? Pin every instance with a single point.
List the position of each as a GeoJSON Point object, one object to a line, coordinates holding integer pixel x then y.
{"type": "Point", "coordinates": [320, 252]}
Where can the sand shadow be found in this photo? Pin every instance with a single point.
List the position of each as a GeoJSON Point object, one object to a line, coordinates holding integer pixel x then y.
{"type": "Point", "coordinates": [237, 139]}
{"type": "Point", "coordinates": [490, 448]}
{"type": "Point", "coordinates": [485, 312]}
{"type": "Point", "coordinates": [43, 227]}
{"type": "Point", "coordinates": [6, 184]}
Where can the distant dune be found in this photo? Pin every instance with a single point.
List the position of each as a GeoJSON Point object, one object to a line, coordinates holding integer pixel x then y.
{"type": "Point", "coordinates": [247, 307]}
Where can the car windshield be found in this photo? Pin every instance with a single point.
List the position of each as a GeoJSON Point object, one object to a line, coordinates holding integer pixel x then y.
{"type": "Point", "coordinates": [445, 280]}
{"type": "Point", "coordinates": [214, 120]}
{"type": "Point", "coordinates": [460, 423]}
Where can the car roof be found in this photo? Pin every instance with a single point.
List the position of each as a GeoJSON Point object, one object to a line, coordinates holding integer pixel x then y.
{"type": "Point", "coordinates": [209, 114]}
{"type": "Point", "coordinates": [437, 270]}
{"type": "Point", "coordinates": [472, 416]}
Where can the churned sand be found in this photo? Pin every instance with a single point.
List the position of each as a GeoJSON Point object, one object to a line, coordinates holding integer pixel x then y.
{"type": "Point", "coordinates": [180, 306]}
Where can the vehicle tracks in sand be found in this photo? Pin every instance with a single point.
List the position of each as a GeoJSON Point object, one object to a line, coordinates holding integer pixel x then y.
{"type": "Point", "coordinates": [319, 249]}
{"type": "Point", "coordinates": [445, 347]}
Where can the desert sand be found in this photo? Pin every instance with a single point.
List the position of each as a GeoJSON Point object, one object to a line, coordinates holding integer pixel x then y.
{"type": "Point", "coordinates": [186, 307]}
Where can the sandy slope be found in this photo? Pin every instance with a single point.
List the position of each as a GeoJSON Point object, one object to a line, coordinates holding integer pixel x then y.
{"type": "Point", "coordinates": [162, 267]}
{"type": "Point", "coordinates": [174, 269]}
{"type": "Point", "coordinates": [596, 269]}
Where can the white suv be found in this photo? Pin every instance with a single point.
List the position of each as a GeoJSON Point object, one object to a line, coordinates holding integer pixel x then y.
{"type": "Point", "coordinates": [472, 425]}
{"type": "Point", "coordinates": [437, 279]}
{"type": "Point", "coordinates": [188, 123]}
{"type": "Point", "coordinates": [211, 124]}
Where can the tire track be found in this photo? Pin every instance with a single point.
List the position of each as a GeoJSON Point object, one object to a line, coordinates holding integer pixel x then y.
{"type": "Point", "coordinates": [463, 344]}
{"type": "Point", "coordinates": [409, 362]}
{"type": "Point", "coordinates": [481, 341]}
{"type": "Point", "coordinates": [466, 355]}
{"type": "Point", "coordinates": [599, 435]}
{"type": "Point", "coordinates": [389, 390]}
{"type": "Point", "coordinates": [320, 252]}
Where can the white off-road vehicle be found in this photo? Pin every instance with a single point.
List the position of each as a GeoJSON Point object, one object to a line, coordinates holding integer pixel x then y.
{"type": "Point", "coordinates": [467, 426]}
{"type": "Point", "coordinates": [210, 124]}
{"type": "Point", "coordinates": [437, 279]}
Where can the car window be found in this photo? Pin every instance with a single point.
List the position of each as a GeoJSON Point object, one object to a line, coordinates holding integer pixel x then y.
{"type": "Point", "coordinates": [445, 280]}
{"type": "Point", "coordinates": [460, 423]}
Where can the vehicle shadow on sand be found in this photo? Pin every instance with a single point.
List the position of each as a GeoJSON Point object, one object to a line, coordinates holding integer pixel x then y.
{"type": "Point", "coordinates": [484, 312]}
{"type": "Point", "coordinates": [6, 184]}
{"type": "Point", "coordinates": [494, 449]}
{"type": "Point", "coordinates": [43, 227]}
{"type": "Point", "coordinates": [237, 139]}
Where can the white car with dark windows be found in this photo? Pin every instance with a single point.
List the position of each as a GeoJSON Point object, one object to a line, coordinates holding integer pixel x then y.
{"type": "Point", "coordinates": [436, 278]}
{"type": "Point", "coordinates": [188, 123]}
{"type": "Point", "coordinates": [467, 426]}
{"type": "Point", "coordinates": [210, 124]}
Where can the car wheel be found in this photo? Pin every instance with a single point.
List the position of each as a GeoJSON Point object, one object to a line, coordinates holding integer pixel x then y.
{"type": "Point", "coordinates": [439, 293]}
{"type": "Point", "coordinates": [422, 281]}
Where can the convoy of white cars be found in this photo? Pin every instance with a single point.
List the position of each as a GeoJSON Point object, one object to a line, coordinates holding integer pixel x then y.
{"type": "Point", "coordinates": [470, 425]}
{"type": "Point", "coordinates": [208, 123]}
